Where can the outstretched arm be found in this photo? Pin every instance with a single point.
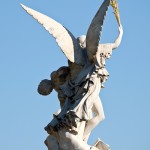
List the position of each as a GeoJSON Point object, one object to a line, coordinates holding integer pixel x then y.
{"type": "Point", "coordinates": [119, 38]}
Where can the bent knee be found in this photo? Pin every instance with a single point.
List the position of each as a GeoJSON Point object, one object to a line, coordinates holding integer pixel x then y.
{"type": "Point", "coordinates": [101, 117]}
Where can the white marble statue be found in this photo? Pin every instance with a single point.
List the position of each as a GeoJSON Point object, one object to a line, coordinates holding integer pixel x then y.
{"type": "Point", "coordinates": [78, 85]}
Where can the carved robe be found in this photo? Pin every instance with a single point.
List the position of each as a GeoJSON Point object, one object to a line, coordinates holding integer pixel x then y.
{"type": "Point", "coordinates": [80, 93]}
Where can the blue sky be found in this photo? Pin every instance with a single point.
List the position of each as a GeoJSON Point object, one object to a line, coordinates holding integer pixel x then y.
{"type": "Point", "coordinates": [29, 54]}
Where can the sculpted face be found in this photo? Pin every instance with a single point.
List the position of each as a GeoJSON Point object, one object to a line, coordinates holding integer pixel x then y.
{"type": "Point", "coordinates": [105, 50]}
{"type": "Point", "coordinates": [82, 41]}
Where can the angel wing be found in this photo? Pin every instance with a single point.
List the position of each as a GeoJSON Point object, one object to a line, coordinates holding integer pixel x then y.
{"type": "Point", "coordinates": [65, 39]}
{"type": "Point", "coordinates": [95, 29]}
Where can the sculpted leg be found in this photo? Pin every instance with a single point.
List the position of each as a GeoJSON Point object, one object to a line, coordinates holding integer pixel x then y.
{"type": "Point", "coordinates": [98, 117]}
{"type": "Point", "coordinates": [72, 142]}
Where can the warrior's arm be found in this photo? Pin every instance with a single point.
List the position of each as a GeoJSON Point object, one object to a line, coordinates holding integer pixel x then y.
{"type": "Point", "coordinates": [119, 38]}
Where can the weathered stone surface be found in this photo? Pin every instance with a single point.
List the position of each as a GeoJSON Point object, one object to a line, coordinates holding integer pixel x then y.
{"type": "Point", "coordinates": [78, 85]}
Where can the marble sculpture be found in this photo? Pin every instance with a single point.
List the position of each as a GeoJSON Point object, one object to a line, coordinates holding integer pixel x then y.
{"type": "Point", "coordinates": [78, 85]}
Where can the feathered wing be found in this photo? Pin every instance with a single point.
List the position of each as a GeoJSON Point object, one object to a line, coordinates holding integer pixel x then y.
{"type": "Point", "coordinates": [66, 41]}
{"type": "Point", "coordinates": [95, 29]}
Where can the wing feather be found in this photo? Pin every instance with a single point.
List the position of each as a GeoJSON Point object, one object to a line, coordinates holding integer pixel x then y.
{"type": "Point", "coordinates": [65, 39]}
{"type": "Point", "coordinates": [95, 29]}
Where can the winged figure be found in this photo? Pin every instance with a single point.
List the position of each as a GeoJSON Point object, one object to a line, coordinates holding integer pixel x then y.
{"type": "Point", "coordinates": [74, 49]}
{"type": "Point", "coordinates": [78, 84]}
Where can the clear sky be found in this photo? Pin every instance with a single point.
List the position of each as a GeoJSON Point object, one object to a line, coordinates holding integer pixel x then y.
{"type": "Point", "coordinates": [29, 54]}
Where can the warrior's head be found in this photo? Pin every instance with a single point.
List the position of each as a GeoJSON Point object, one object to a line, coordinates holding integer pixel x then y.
{"type": "Point", "coordinates": [82, 41]}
